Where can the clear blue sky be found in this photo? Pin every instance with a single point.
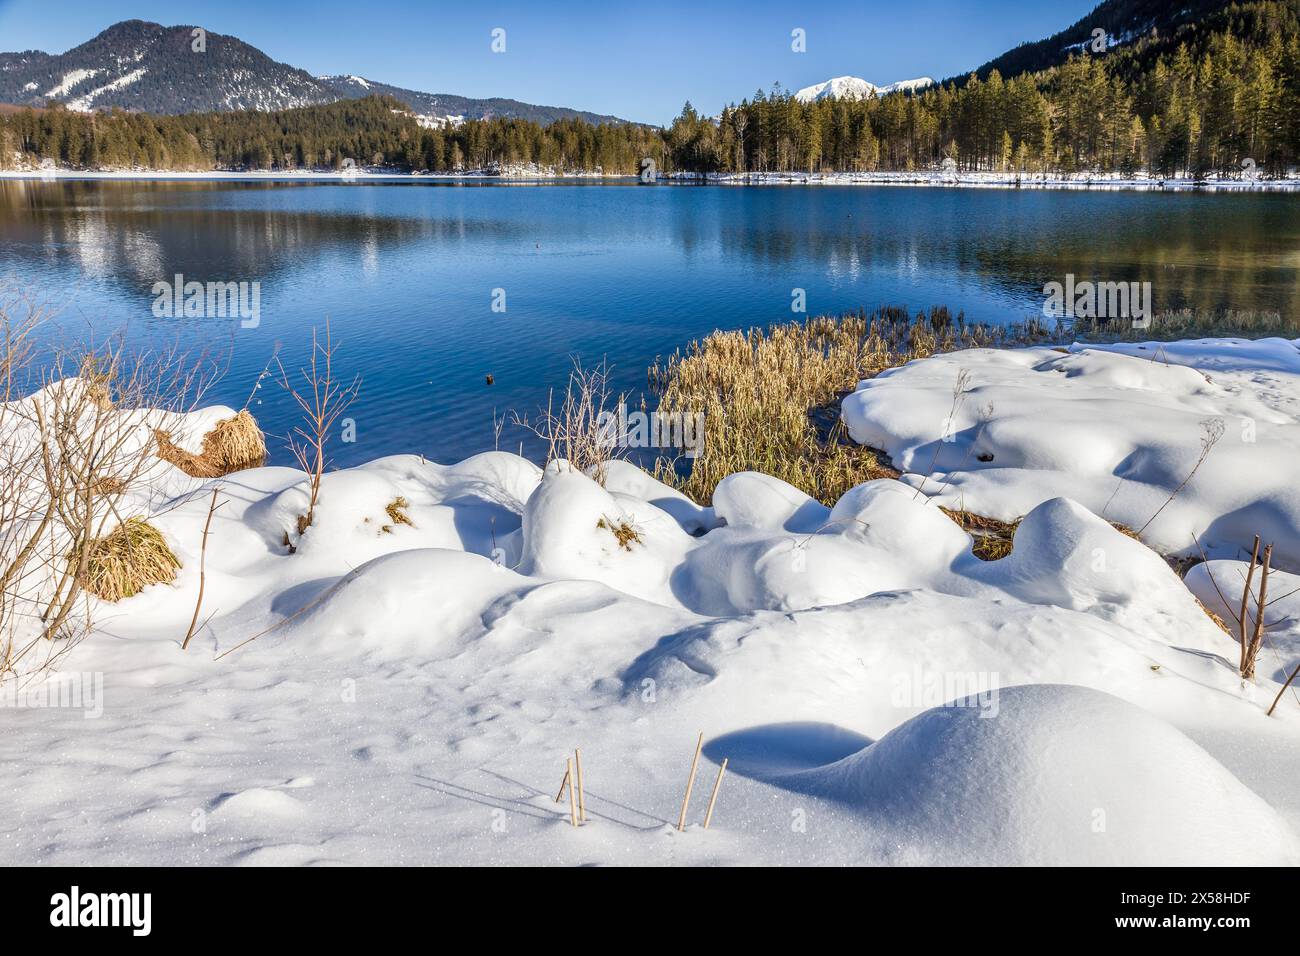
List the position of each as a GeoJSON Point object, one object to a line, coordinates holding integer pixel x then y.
{"type": "Point", "coordinates": [638, 61]}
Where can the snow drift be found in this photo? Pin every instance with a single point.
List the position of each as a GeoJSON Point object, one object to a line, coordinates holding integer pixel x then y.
{"type": "Point", "coordinates": [1060, 775]}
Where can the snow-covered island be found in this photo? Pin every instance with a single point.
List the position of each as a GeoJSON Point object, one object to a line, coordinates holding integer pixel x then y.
{"type": "Point", "coordinates": [406, 683]}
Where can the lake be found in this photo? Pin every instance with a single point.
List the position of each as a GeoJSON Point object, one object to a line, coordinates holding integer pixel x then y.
{"type": "Point", "coordinates": [407, 274]}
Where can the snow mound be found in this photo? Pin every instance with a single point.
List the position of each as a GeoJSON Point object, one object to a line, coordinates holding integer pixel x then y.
{"type": "Point", "coordinates": [749, 499]}
{"type": "Point", "coordinates": [574, 529]}
{"type": "Point", "coordinates": [1065, 556]}
{"type": "Point", "coordinates": [1060, 775]}
{"type": "Point", "coordinates": [379, 605]}
{"type": "Point", "coordinates": [1117, 428]}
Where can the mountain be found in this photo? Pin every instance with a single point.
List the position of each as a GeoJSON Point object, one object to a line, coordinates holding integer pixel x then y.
{"type": "Point", "coordinates": [142, 66]}
{"type": "Point", "coordinates": [856, 88]}
{"type": "Point", "coordinates": [147, 67]}
{"type": "Point", "coordinates": [1158, 23]}
{"type": "Point", "coordinates": [450, 107]}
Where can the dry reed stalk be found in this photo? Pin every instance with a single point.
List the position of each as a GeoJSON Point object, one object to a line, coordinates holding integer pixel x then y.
{"type": "Point", "coordinates": [1245, 599]}
{"type": "Point", "coordinates": [582, 795]}
{"type": "Point", "coordinates": [203, 563]}
{"type": "Point", "coordinates": [1257, 637]}
{"type": "Point", "coordinates": [563, 783]}
{"type": "Point", "coordinates": [713, 799]}
{"type": "Point", "coordinates": [1282, 690]}
{"type": "Point", "coordinates": [690, 783]}
{"type": "Point", "coordinates": [1211, 432]}
{"type": "Point", "coordinates": [573, 807]}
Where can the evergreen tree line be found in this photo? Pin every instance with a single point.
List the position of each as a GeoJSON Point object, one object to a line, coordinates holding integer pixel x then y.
{"type": "Point", "coordinates": [1219, 93]}
{"type": "Point", "coordinates": [377, 131]}
{"type": "Point", "coordinates": [1213, 102]}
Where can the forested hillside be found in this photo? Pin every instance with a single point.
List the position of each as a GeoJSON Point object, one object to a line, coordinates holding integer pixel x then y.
{"type": "Point", "coordinates": [376, 130]}
{"type": "Point", "coordinates": [1227, 92]}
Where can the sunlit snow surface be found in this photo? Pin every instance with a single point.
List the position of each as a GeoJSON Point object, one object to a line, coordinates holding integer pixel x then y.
{"type": "Point", "coordinates": [427, 681]}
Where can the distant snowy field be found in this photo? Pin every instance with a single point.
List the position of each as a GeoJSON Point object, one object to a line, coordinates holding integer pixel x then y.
{"type": "Point", "coordinates": [421, 709]}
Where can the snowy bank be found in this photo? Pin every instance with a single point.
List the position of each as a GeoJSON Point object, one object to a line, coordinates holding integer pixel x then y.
{"type": "Point", "coordinates": [1214, 423]}
{"type": "Point", "coordinates": [407, 691]}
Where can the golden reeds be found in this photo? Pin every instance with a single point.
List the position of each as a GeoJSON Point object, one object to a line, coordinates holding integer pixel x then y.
{"type": "Point", "coordinates": [770, 398]}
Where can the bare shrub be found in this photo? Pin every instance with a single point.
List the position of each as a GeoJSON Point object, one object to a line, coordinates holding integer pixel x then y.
{"type": "Point", "coordinates": [76, 439]}
{"type": "Point", "coordinates": [581, 433]}
{"type": "Point", "coordinates": [323, 398]}
{"type": "Point", "coordinates": [1249, 616]}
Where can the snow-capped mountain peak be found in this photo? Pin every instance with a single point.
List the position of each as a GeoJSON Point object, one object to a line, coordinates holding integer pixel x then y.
{"type": "Point", "coordinates": [148, 67]}
{"type": "Point", "coordinates": [856, 88]}
{"type": "Point", "coordinates": [921, 82]}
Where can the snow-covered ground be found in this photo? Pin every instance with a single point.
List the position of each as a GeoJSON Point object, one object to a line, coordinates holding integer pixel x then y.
{"type": "Point", "coordinates": [881, 695]}
{"type": "Point", "coordinates": [1115, 427]}
{"type": "Point", "coordinates": [996, 180]}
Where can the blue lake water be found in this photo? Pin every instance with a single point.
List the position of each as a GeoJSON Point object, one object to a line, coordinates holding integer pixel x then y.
{"type": "Point", "coordinates": [405, 273]}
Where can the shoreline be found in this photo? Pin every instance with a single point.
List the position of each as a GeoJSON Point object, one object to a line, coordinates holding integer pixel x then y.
{"type": "Point", "coordinates": [52, 175]}
{"type": "Point", "coordinates": [979, 180]}
{"type": "Point", "coordinates": [912, 179]}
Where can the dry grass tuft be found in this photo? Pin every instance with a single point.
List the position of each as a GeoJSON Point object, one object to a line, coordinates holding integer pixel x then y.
{"type": "Point", "coordinates": [396, 510]}
{"type": "Point", "coordinates": [993, 538]}
{"type": "Point", "coordinates": [1222, 625]}
{"type": "Point", "coordinates": [233, 445]}
{"type": "Point", "coordinates": [624, 532]}
{"type": "Point", "coordinates": [121, 563]}
{"type": "Point", "coordinates": [771, 398]}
